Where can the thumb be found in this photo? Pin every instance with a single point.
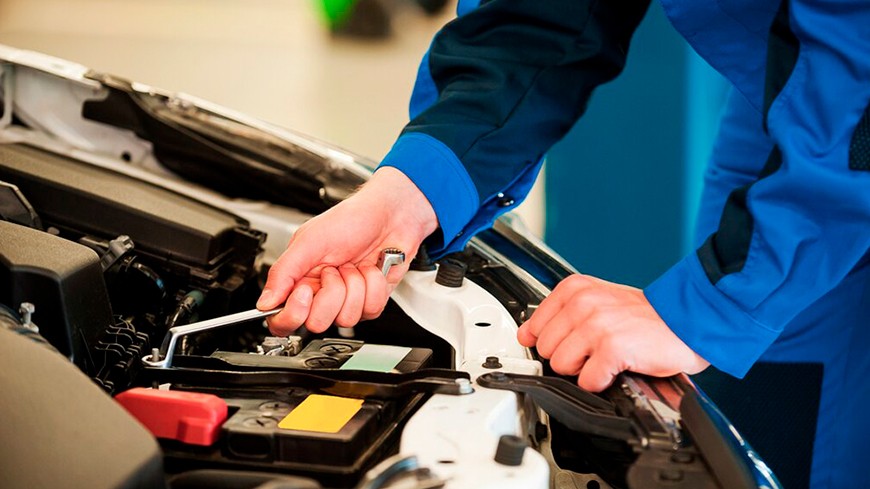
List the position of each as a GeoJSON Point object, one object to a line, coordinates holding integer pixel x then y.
{"type": "Point", "coordinates": [288, 269]}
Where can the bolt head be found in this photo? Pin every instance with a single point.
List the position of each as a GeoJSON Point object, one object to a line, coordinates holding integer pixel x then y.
{"type": "Point", "coordinates": [492, 363]}
{"type": "Point", "coordinates": [464, 386]}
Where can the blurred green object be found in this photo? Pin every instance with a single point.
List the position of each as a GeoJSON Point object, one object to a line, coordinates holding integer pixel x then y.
{"type": "Point", "coordinates": [360, 19]}
{"type": "Point", "coordinates": [336, 11]}
{"type": "Point", "coordinates": [369, 19]}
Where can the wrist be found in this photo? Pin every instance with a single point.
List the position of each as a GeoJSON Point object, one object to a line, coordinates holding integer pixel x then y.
{"type": "Point", "coordinates": [409, 208]}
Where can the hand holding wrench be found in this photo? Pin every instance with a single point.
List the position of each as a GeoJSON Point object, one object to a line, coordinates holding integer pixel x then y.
{"type": "Point", "coordinates": [162, 357]}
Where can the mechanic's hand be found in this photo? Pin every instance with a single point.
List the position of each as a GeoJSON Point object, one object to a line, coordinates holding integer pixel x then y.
{"type": "Point", "coordinates": [597, 329]}
{"type": "Point", "coordinates": [328, 272]}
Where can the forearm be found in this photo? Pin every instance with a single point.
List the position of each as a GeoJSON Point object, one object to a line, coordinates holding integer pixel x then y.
{"type": "Point", "coordinates": [499, 86]}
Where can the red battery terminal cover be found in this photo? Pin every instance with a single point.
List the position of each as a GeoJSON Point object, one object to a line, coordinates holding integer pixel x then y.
{"type": "Point", "coordinates": [188, 417]}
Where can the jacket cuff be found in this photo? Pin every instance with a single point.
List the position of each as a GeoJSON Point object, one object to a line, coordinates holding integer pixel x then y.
{"type": "Point", "coordinates": [710, 323]}
{"type": "Point", "coordinates": [438, 173]}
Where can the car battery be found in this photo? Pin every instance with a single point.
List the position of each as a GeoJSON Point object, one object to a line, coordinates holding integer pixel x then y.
{"type": "Point", "coordinates": [337, 353]}
{"type": "Point", "coordinates": [296, 429]}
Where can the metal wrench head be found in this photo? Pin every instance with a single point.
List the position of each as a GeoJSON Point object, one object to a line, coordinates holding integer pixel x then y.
{"type": "Point", "coordinates": [390, 257]}
{"type": "Point", "coordinates": [163, 356]}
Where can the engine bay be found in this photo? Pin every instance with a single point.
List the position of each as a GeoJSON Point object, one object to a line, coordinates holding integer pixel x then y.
{"type": "Point", "coordinates": [113, 264]}
{"type": "Point", "coordinates": [105, 253]}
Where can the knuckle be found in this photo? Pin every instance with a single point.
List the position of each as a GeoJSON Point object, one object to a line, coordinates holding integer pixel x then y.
{"type": "Point", "coordinates": [280, 326]}
{"type": "Point", "coordinates": [578, 304]}
{"type": "Point", "coordinates": [347, 319]}
{"type": "Point", "coordinates": [275, 328]}
{"type": "Point", "coordinates": [589, 299]}
{"type": "Point", "coordinates": [545, 349]}
{"type": "Point", "coordinates": [372, 313]}
{"type": "Point", "coordinates": [575, 281]}
{"type": "Point", "coordinates": [300, 231]}
{"type": "Point", "coordinates": [610, 346]}
{"type": "Point", "coordinates": [526, 339]}
{"type": "Point", "coordinates": [375, 301]}
{"type": "Point", "coordinates": [316, 325]}
{"type": "Point", "coordinates": [292, 316]}
{"type": "Point", "coordinates": [578, 278]}
{"type": "Point", "coordinates": [592, 383]}
{"type": "Point", "coordinates": [597, 323]}
{"type": "Point", "coordinates": [349, 270]}
{"type": "Point", "coordinates": [561, 365]}
{"type": "Point", "coordinates": [330, 277]}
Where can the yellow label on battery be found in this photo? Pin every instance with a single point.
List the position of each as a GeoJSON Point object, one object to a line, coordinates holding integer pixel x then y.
{"type": "Point", "coordinates": [323, 414]}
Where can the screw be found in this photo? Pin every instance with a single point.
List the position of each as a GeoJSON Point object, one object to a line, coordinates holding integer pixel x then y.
{"type": "Point", "coordinates": [271, 406]}
{"type": "Point", "coordinates": [464, 386]}
{"type": "Point", "coordinates": [321, 362]}
{"type": "Point", "coordinates": [336, 348]}
{"type": "Point", "coordinates": [26, 309]}
{"type": "Point", "coordinates": [155, 354]}
{"type": "Point", "coordinates": [260, 422]}
{"type": "Point", "coordinates": [498, 377]}
{"type": "Point", "coordinates": [491, 362]}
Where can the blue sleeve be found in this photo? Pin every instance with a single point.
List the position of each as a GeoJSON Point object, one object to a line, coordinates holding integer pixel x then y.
{"type": "Point", "coordinates": [738, 155]}
{"type": "Point", "coordinates": [792, 235]}
{"type": "Point", "coordinates": [499, 86]}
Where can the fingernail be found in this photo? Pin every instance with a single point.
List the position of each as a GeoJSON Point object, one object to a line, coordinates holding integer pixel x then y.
{"type": "Point", "coordinates": [265, 299]}
{"type": "Point", "coordinates": [304, 295]}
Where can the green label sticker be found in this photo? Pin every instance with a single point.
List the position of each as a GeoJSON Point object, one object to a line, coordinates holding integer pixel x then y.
{"type": "Point", "coordinates": [376, 358]}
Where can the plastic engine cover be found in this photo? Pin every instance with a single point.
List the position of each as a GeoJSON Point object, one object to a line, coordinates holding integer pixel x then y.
{"type": "Point", "coordinates": [52, 274]}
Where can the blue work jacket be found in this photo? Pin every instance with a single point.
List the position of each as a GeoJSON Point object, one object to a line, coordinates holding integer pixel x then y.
{"type": "Point", "coordinates": [508, 78]}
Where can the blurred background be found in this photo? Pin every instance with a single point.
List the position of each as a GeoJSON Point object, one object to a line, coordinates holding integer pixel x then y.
{"type": "Point", "coordinates": [618, 195]}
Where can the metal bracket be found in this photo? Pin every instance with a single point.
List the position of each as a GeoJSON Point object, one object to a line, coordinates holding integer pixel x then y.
{"type": "Point", "coordinates": [343, 383]}
{"type": "Point", "coordinates": [572, 406]}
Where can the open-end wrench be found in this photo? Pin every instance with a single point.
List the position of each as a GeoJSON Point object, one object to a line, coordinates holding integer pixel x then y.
{"type": "Point", "coordinates": [162, 357]}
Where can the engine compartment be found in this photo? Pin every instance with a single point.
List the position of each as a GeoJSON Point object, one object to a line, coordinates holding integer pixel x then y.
{"type": "Point", "coordinates": [108, 301]}
{"type": "Point", "coordinates": [127, 212]}
{"type": "Point", "coordinates": [163, 258]}
{"type": "Point", "coordinates": [113, 263]}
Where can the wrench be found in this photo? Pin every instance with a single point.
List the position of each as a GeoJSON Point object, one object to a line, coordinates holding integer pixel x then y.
{"type": "Point", "coordinates": [162, 357]}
